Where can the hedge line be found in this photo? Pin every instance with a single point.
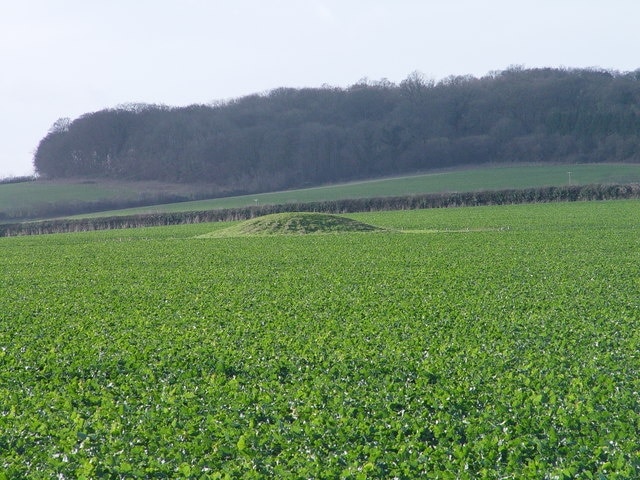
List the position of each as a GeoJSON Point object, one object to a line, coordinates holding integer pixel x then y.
{"type": "Point", "coordinates": [409, 202]}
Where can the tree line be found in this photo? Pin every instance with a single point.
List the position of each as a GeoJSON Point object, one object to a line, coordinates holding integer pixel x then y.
{"type": "Point", "coordinates": [567, 193]}
{"type": "Point", "coordinates": [19, 179]}
{"type": "Point", "coordinates": [290, 137]}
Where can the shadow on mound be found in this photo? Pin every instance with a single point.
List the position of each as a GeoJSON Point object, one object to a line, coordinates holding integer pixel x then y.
{"type": "Point", "coordinates": [294, 224]}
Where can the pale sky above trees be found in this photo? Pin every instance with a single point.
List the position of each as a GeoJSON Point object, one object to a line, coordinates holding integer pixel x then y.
{"type": "Point", "coordinates": [64, 58]}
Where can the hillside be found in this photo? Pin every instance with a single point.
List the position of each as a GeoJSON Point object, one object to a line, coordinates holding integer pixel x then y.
{"type": "Point", "coordinates": [292, 138]}
{"type": "Point", "coordinates": [55, 198]}
{"type": "Point", "coordinates": [463, 180]}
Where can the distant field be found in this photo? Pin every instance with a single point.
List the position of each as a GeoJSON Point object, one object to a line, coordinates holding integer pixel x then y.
{"type": "Point", "coordinates": [467, 343]}
{"type": "Point", "coordinates": [20, 195]}
{"type": "Point", "coordinates": [26, 197]}
{"type": "Point", "coordinates": [488, 178]}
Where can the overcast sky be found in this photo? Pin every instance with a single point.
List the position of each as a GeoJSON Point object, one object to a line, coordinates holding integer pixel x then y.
{"type": "Point", "coordinates": [64, 58]}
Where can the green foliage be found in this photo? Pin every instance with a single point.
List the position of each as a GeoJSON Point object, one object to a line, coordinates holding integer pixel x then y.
{"type": "Point", "coordinates": [507, 348]}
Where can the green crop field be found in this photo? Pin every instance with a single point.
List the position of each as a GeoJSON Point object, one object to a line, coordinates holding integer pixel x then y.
{"type": "Point", "coordinates": [486, 342]}
{"type": "Point", "coordinates": [485, 178]}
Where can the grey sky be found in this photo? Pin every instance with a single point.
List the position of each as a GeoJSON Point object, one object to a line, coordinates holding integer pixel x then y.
{"type": "Point", "coordinates": [63, 58]}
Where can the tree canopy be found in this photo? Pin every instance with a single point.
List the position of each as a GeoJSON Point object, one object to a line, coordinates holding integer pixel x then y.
{"type": "Point", "coordinates": [297, 137]}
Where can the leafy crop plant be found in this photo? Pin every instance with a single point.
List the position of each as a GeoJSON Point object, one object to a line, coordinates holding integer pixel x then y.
{"type": "Point", "coordinates": [474, 351]}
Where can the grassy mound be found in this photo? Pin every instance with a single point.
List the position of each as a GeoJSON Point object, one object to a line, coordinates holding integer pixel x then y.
{"type": "Point", "coordinates": [296, 223]}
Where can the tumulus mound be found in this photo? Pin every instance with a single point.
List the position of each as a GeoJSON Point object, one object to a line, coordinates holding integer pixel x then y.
{"type": "Point", "coordinates": [297, 223]}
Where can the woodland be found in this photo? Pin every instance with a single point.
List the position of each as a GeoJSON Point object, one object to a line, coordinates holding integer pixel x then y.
{"type": "Point", "coordinates": [297, 137]}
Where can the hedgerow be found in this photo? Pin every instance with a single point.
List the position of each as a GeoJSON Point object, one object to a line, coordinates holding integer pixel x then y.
{"type": "Point", "coordinates": [409, 202]}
